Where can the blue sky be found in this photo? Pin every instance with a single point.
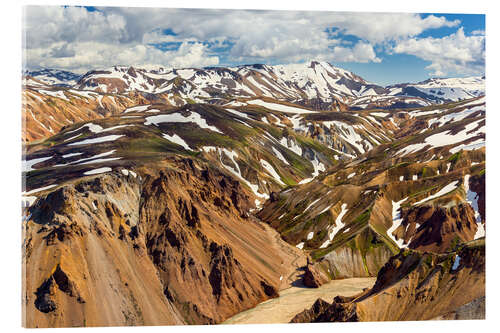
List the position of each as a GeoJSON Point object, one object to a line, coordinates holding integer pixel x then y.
{"type": "Point", "coordinates": [384, 48]}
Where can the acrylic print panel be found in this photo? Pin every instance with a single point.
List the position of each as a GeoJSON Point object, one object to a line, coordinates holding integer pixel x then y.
{"type": "Point", "coordinates": [228, 166]}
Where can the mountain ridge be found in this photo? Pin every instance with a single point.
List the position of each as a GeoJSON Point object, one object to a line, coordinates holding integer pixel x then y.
{"type": "Point", "coordinates": [70, 79]}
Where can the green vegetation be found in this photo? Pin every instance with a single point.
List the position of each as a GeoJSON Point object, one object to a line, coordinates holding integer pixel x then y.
{"type": "Point", "coordinates": [454, 158]}
{"type": "Point", "coordinates": [455, 243]}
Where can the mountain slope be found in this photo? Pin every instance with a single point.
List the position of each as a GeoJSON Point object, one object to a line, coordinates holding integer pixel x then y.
{"type": "Point", "coordinates": [54, 77]}
{"type": "Point", "coordinates": [418, 191]}
{"type": "Point", "coordinates": [290, 82]}
{"type": "Point", "coordinates": [442, 89]}
{"type": "Point", "coordinates": [415, 286]}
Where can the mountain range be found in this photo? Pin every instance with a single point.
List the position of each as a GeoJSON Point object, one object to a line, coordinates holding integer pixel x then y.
{"type": "Point", "coordinates": [189, 196]}
{"type": "Point", "coordinates": [310, 81]}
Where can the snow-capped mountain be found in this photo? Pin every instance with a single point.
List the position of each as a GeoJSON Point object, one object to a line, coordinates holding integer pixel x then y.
{"type": "Point", "coordinates": [316, 85]}
{"type": "Point", "coordinates": [442, 89]}
{"type": "Point", "coordinates": [54, 77]}
{"type": "Point", "coordinates": [314, 80]}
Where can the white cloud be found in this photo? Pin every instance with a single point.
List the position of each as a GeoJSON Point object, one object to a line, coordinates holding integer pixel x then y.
{"type": "Point", "coordinates": [451, 54]}
{"type": "Point", "coordinates": [74, 38]}
{"type": "Point", "coordinates": [189, 55]}
{"type": "Point", "coordinates": [50, 24]}
{"type": "Point", "coordinates": [89, 55]}
{"type": "Point", "coordinates": [478, 32]}
{"type": "Point", "coordinates": [361, 52]}
{"type": "Point", "coordinates": [383, 27]}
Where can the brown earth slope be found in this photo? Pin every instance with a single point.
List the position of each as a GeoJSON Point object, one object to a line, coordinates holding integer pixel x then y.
{"type": "Point", "coordinates": [162, 247]}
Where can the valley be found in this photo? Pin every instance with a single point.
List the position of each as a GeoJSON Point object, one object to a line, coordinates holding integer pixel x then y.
{"type": "Point", "coordinates": [294, 300]}
{"type": "Point", "coordinates": [250, 194]}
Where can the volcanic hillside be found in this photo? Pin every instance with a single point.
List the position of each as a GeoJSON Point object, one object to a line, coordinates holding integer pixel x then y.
{"type": "Point", "coordinates": [186, 196]}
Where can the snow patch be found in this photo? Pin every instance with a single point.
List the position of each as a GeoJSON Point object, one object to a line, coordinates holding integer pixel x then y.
{"type": "Point", "coordinates": [138, 108]}
{"type": "Point", "coordinates": [96, 140]}
{"type": "Point", "coordinates": [310, 205]}
{"type": "Point", "coordinates": [472, 198]}
{"type": "Point", "coordinates": [71, 155]}
{"type": "Point", "coordinates": [27, 165]}
{"type": "Point", "coordinates": [97, 171]}
{"type": "Point", "coordinates": [208, 149]}
{"type": "Point", "coordinates": [280, 156]}
{"type": "Point", "coordinates": [179, 118]}
{"type": "Point", "coordinates": [445, 190]}
{"type": "Point", "coordinates": [338, 225]}
{"type": "Point", "coordinates": [396, 222]}
{"type": "Point", "coordinates": [269, 168]}
{"type": "Point", "coordinates": [178, 140]}
{"type": "Point", "coordinates": [39, 189]}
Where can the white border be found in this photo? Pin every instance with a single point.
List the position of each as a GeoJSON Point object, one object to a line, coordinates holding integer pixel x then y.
{"type": "Point", "coordinates": [10, 68]}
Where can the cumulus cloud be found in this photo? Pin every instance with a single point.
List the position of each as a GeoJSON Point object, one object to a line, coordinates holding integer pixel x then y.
{"type": "Point", "coordinates": [89, 55]}
{"type": "Point", "coordinates": [361, 52]}
{"type": "Point", "coordinates": [77, 39]}
{"type": "Point", "coordinates": [456, 53]}
{"type": "Point", "coordinates": [383, 27]}
{"type": "Point", "coordinates": [45, 25]}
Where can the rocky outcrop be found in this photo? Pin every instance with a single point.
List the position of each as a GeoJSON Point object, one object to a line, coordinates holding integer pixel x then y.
{"type": "Point", "coordinates": [313, 277]}
{"type": "Point", "coordinates": [60, 280]}
{"type": "Point", "coordinates": [415, 286]}
{"type": "Point", "coordinates": [195, 236]}
{"type": "Point", "coordinates": [349, 261]}
{"type": "Point", "coordinates": [79, 243]}
{"type": "Point", "coordinates": [167, 247]}
{"type": "Point", "coordinates": [322, 311]}
{"type": "Point", "coordinates": [438, 228]}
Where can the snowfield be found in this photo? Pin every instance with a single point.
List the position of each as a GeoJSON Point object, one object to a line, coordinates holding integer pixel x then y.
{"type": "Point", "coordinates": [48, 187]}
{"type": "Point", "coordinates": [237, 172]}
{"type": "Point", "coordinates": [96, 129]}
{"type": "Point", "coordinates": [179, 118]}
{"type": "Point", "coordinates": [348, 133]}
{"type": "Point", "coordinates": [96, 140]}
{"type": "Point", "coordinates": [445, 138]}
{"type": "Point", "coordinates": [396, 222]}
{"type": "Point", "coordinates": [138, 108]}
{"type": "Point", "coordinates": [97, 171]}
{"type": "Point", "coordinates": [178, 140]}
{"type": "Point", "coordinates": [280, 156]}
{"type": "Point", "coordinates": [445, 190]}
{"type": "Point", "coordinates": [269, 168]}
{"type": "Point", "coordinates": [239, 114]}
{"type": "Point", "coordinates": [472, 198]}
{"type": "Point", "coordinates": [290, 144]}
{"type": "Point", "coordinates": [338, 225]}
{"type": "Point", "coordinates": [318, 167]}
{"type": "Point", "coordinates": [87, 160]}
{"type": "Point", "coordinates": [27, 165]}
